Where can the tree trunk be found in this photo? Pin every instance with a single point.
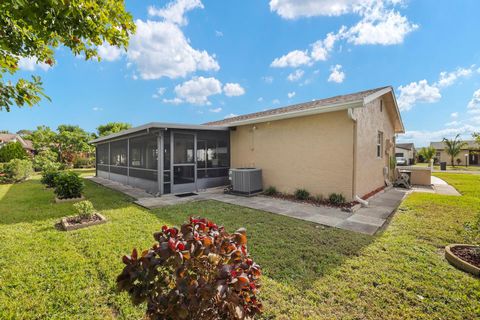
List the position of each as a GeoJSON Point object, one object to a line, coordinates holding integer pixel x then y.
{"type": "Point", "coordinates": [453, 161]}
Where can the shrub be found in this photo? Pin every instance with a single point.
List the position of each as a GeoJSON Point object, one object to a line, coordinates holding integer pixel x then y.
{"type": "Point", "coordinates": [85, 209]}
{"type": "Point", "coordinates": [84, 162]}
{"type": "Point", "coordinates": [17, 170]}
{"type": "Point", "coordinates": [270, 191]}
{"type": "Point", "coordinates": [68, 185]}
{"type": "Point", "coordinates": [301, 194]}
{"type": "Point", "coordinates": [459, 161]}
{"type": "Point", "coordinates": [48, 177]}
{"type": "Point", "coordinates": [197, 272]}
{"type": "Point", "coordinates": [319, 198]}
{"type": "Point", "coordinates": [12, 150]}
{"type": "Point", "coordinates": [336, 198]}
{"type": "Point", "coordinates": [44, 159]}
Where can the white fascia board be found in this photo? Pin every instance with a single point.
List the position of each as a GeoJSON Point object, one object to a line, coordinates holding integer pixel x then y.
{"type": "Point", "coordinates": [300, 113]}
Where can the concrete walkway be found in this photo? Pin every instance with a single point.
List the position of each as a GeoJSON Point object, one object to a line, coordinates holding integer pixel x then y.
{"type": "Point", "coordinates": [442, 187]}
{"type": "Point", "coordinates": [128, 190]}
{"type": "Point", "coordinates": [364, 220]}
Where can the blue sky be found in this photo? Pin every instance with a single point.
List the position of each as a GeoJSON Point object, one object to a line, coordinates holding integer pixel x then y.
{"type": "Point", "coordinates": [193, 61]}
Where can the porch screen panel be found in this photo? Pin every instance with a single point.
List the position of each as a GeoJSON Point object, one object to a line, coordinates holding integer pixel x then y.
{"type": "Point", "coordinates": [102, 157]}
{"type": "Point", "coordinates": [144, 153]}
{"type": "Point", "coordinates": [118, 157]}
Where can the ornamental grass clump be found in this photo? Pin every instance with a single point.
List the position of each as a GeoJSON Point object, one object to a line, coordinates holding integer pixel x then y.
{"type": "Point", "coordinates": [199, 271]}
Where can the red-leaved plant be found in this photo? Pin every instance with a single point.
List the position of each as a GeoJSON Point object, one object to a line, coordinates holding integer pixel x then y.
{"type": "Point", "coordinates": [198, 272]}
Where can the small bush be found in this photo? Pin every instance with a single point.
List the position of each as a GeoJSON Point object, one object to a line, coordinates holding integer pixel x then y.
{"type": "Point", "coordinates": [319, 198]}
{"type": "Point", "coordinates": [199, 271]}
{"type": "Point", "coordinates": [12, 150]}
{"type": "Point", "coordinates": [270, 191]}
{"type": "Point", "coordinates": [85, 209]}
{"type": "Point", "coordinates": [84, 162]}
{"type": "Point", "coordinates": [17, 170]}
{"type": "Point", "coordinates": [301, 194]}
{"type": "Point", "coordinates": [336, 198]}
{"type": "Point", "coordinates": [68, 185]}
{"type": "Point", "coordinates": [48, 177]}
{"type": "Point", "coordinates": [45, 159]}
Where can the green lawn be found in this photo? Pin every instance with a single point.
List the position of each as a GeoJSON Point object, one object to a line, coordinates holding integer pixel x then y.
{"type": "Point", "coordinates": [450, 168]}
{"type": "Point", "coordinates": [309, 271]}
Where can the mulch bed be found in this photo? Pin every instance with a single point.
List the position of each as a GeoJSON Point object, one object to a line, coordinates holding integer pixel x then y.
{"type": "Point", "coordinates": [77, 220]}
{"type": "Point", "coordinates": [315, 202]}
{"type": "Point", "coordinates": [468, 254]}
{"type": "Point", "coordinates": [371, 194]}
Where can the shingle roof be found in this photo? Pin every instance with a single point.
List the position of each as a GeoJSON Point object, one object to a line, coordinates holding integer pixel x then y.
{"type": "Point", "coordinates": [7, 137]}
{"type": "Point", "coordinates": [406, 146]}
{"type": "Point", "coordinates": [301, 106]}
{"type": "Point", "coordinates": [471, 144]}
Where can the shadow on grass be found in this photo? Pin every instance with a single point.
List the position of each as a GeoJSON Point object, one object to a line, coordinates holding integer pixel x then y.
{"type": "Point", "coordinates": [290, 251]}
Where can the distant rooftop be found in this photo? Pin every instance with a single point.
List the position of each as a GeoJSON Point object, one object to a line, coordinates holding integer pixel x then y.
{"type": "Point", "coordinates": [471, 144]}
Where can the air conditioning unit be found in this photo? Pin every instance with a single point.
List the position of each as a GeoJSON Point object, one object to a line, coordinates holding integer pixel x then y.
{"type": "Point", "coordinates": [246, 180]}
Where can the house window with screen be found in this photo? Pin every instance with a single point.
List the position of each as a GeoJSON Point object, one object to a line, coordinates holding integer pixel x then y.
{"type": "Point", "coordinates": [379, 144]}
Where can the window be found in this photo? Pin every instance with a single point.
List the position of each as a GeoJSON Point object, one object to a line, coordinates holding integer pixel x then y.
{"type": "Point", "coordinates": [380, 144]}
{"type": "Point", "coordinates": [399, 154]}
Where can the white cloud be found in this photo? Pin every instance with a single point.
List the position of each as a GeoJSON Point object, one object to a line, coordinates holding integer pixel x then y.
{"type": "Point", "coordinates": [268, 79]}
{"type": "Point", "coordinates": [292, 9]}
{"type": "Point", "coordinates": [31, 64]}
{"type": "Point", "coordinates": [160, 49]}
{"type": "Point", "coordinates": [293, 59]}
{"type": "Point", "coordinates": [415, 92]}
{"type": "Point", "coordinates": [197, 90]}
{"type": "Point", "coordinates": [260, 99]}
{"type": "Point", "coordinates": [218, 33]}
{"type": "Point", "coordinates": [97, 109]}
{"type": "Point", "coordinates": [336, 75]}
{"type": "Point", "coordinates": [275, 101]}
{"type": "Point", "coordinates": [110, 53]}
{"type": "Point", "coordinates": [474, 104]}
{"type": "Point", "coordinates": [291, 94]}
{"type": "Point", "coordinates": [160, 92]}
{"type": "Point", "coordinates": [174, 12]}
{"type": "Point", "coordinates": [231, 115]}
{"type": "Point", "coordinates": [215, 110]}
{"type": "Point", "coordinates": [379, 24]}
{"type": "Point", "coordinates": [424, 92]}
{"type": "Point", "coordinates": [454, 115]}
{"type": "Point", "coordinates": [296, 75]}
{"type": "Point", "coordinates": [452, 123]}
{"type": "Point", "coordinates": [423, 137]}
{"type": "Point", "coordinates": [449, 78]}
{"type": "Point", "coordinates": [175, 101]}
{"type": "Point", "coordinates": [233, 90]}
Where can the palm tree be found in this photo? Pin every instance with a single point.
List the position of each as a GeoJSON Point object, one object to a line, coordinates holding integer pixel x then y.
{"type": "Point", "coordinates": [427, 153]}
{"type": "Point", "coordinates": [453, 147]}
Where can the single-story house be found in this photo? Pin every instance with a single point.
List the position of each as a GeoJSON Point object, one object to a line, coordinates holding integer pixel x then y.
{"type": "Point", "coordinates": [407, 151]}
{"type": "Point", "coordinates": [469, 155]}
{"type": "Point", "coordinates": [11, 137]}
{"type": "Point", "coordinates": [344, 144]}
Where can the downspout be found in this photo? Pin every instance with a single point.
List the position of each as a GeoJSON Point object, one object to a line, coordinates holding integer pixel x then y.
{"type": "Point", "coordinates": [355, 197]}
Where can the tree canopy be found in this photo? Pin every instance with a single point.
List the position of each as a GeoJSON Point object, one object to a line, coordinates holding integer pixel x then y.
{"type": "Point", "coordinates": [12, 150]}
{"type": "Point", "coordinates": [112, 127]}
{"type": "Point", "coordinates": [33, 29]}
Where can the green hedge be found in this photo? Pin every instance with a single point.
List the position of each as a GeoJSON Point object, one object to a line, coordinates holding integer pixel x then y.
{"type": "Point", "coordinates": [12, 150]}
{"type": "Point", "coordinates": [16, 170]}
{"type": "Point", "coordinates": [68, 185]}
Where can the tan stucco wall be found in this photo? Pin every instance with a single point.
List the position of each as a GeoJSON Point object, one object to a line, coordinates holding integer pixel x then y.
{"type": "Point", "coordinates": [369, 168]}
{"type": "Point", "coordinates": [444, 157]}
{"type": "Point", "coordinates": [312, 152]}
{"type": "Point", "coordinates": [421, 177]}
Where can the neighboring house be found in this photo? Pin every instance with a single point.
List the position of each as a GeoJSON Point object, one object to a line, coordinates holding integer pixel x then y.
{"type": "Point", "coordinates": [10, 137]}
{"type": "Point", "coordinates": [469, 155]}
{"type": "Point", "coordinates": [343, 144]}
{"type": "Point", "coordinates": [407, 151]}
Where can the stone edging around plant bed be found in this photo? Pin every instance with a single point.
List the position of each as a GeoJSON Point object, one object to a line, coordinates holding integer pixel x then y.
{"type": "Point", "coordinates": [458, 262]}
{"type": "Point", "coordinates": [58, 200]}
{"type": "Point", "coordinates": [69, 227]}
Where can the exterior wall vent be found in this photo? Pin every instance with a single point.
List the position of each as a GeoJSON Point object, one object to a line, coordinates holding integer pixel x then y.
{"type": "Point", "coordinates": [246, 180]}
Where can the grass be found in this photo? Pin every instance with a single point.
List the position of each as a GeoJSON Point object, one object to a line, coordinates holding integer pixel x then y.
{"type": "Point", "coordinates": [450, 168]}
{"type": "Point", "coordinates": [309, 271]}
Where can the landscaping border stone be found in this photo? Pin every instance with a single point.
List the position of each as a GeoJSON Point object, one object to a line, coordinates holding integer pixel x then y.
{"type": "Point", "coordinates": [69, 227]}
{"type": "Point", "coordinates": [459, 263]}
{"type": "Point", "coordinates": [58, 200]}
